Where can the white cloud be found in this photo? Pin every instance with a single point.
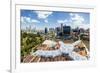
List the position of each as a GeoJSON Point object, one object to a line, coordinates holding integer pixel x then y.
{"type": "Point", "coordinates": [71, 14]}
{"type": "Point", "coordinates": [34, 21]}
{"type": "Point", "coordinates": [85, 26]}
{"type": "Point", "coordinates": [43, 14]}
{"type": "Point", "coordinates": [28, 20]}
{"type": "Point", "coordinates": [62, 21]}
{"type": "Point", "coordinates": [46, 21]}
{"type": "Point", "coordinates": [76, 19]}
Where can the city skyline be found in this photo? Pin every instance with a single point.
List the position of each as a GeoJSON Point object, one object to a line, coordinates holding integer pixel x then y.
{"type": "Point", "coordinates": [52, 19]}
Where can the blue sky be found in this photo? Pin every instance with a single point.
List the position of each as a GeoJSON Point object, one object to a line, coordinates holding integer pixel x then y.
{"type": "Point", "coordinates": [52, 19]}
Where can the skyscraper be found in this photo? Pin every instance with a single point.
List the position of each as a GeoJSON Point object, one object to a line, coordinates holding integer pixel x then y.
{"type": "Point", "coordinates": [58, 30]}
{"type": "Point", "coordinates": [46, 30]}
{"type": "Point", "coordinates": [66, 30]}
{"type": "Point", "coordinates": [62, 28]}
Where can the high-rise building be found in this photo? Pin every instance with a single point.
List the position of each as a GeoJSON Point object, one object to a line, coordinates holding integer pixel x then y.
{"type": "Point", "coordinates": [58, 30]}
{"type": "Point", "coordinates": [46, 30]}
{"type": "Point", "coordinates": [62, 28]}
{"type": "Point", "coordinates": [51, 29]}
{"type": "Point", "coordinates": [66, 30]}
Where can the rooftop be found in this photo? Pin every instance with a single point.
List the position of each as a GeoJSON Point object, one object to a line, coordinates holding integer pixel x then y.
{"type": "Point", "coordinates": [79, 49]}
